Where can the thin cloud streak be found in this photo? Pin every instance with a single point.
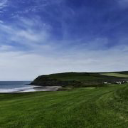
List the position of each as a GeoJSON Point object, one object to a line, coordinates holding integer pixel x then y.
{"type": "Point", "coordinates": [3, 3]}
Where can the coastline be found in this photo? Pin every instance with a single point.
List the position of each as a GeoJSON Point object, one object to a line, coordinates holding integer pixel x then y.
{"type": "Point", "coordinates": [30, 89]}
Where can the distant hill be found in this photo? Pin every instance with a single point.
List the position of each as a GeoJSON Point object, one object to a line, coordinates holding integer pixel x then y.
{"type": "Point", "coordinates": [82, 79]}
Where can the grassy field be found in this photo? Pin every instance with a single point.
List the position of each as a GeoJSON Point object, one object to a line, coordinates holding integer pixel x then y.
{"type": "Point", "coordinates": [115, 74]}
{"type": "Point", "coordinates": [101, 107]}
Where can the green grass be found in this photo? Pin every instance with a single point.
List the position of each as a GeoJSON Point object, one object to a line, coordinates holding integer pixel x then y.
{"type": "Point", "coordinates": [115, 74]}
{"type": "Point", "coordinates": [76, 76]}
{"type": "Point", "coordinates": [105, 107]}
{"type": "Point", "coordinates": [78, 79]}
{"type": "Point", "coordinates": [83, 76]}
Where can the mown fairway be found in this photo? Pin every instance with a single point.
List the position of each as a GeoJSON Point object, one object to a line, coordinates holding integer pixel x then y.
{"type": "Point", "coordinates": [104, 107]}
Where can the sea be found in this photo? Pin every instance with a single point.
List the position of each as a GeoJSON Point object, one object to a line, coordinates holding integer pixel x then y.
{"type": "Point", "coordinates": [23, 86]}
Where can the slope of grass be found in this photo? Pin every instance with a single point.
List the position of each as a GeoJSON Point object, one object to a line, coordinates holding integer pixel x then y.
{"type": "Point", "coordinates": [76, 76]}
{"type": "Point", "coordinates": [105, 107]}
{"type": "Point", "coordinates": [76, 79]}
{"type": "Point", "coordinates": [81, 76]}
{"type": "Point", "coordinates": [123, 75]}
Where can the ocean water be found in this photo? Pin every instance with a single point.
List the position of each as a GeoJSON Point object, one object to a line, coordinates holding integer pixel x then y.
{"type": "Point", "coordinates": [14, 86]}
{"type": "Point", "coordinates": [23, 86]}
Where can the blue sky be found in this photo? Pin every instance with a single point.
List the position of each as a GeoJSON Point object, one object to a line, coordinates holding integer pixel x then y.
{"type": "Point", "coordinates": [48, 36]}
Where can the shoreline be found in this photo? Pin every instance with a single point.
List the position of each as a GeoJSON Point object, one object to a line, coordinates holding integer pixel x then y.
{"type": "Point", "coordinates": [30, 89]}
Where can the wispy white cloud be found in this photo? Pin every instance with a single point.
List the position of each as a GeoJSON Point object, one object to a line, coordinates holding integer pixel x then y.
{"type": "Point", "coordinates": [3, 3]}
{"type": "Point", "coordinates": [1, 22]}
{"type": "Point", "coordinates": [25, 32]}
{"type": "Point", "coordinates": [6, 48]}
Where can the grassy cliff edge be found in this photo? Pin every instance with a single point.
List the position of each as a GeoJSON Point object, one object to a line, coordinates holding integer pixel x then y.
{"type": "Point", "coordinates": [77, 79]}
